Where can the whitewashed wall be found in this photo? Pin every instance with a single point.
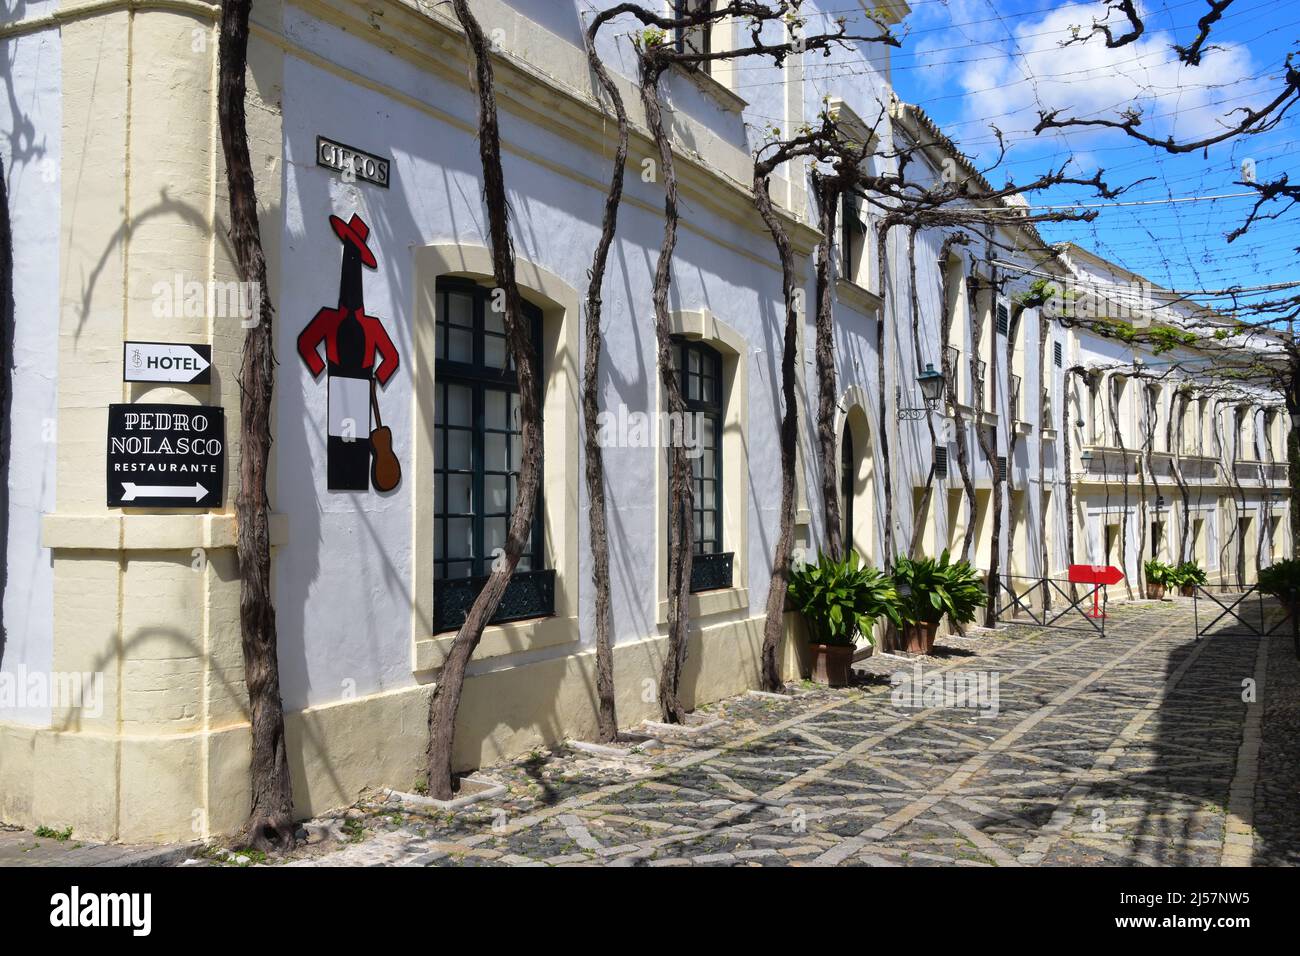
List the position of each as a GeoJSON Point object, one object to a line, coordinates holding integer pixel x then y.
{"type": "Point", "coordinates": [30, 119]}
{"type": "Point", "coordinates": [1217, 502]}
{"type": "Point", "coordinates": [343, 586]}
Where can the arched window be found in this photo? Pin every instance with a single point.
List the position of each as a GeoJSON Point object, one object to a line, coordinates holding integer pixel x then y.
{"type": "Point", "coordinates": [700, 369]}
{"type": "Point", "coordinates": [477, 448]}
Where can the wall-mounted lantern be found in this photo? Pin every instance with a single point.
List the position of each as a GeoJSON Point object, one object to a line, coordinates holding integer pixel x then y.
{"type": "Point", "coordinates": [931, 382]}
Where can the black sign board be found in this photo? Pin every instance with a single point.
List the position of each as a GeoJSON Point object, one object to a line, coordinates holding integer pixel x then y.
{"type": "Point", "coordinates": [356, 162]}
{"type": "Point", "coordinates": [166, 456]}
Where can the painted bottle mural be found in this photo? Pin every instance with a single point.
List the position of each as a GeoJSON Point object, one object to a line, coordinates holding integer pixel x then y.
{"type": "Point", "coordinates": [359, 356]}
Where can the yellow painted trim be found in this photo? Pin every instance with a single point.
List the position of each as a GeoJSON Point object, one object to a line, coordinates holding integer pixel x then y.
{"type": "Point", "coordinates": [707, 327]}
{"type": "Point", "coordinates": [560, 349]}
{"type": "Point", "coordinates": [148, 532]}
{"type": "Point", "coordinates": [851, 411]}
{"type": "Point", "coordinates": [71, 10]}
{"type": "Point", "coordinates": [858, 298]}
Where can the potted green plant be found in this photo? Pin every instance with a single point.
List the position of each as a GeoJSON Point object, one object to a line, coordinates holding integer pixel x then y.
{"type": "Point", "coordinates": [1159, 576]}
{"type": "Point", "coordinates": [1282, 580]}
{"type": "Point", "coordinates": [1187, 576]}
{"type": "Point", "coordinates": [840, 602]}
{"type": "Point", "coordinates": [928, 590]}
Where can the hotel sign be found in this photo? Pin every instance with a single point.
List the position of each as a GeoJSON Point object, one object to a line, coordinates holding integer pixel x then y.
{"type": "Point", "coordinates": [167, 362]}
{"type": "Point", "coordinates": [166, 456]}
{"type": "Point", "coordinates": [355, 162]}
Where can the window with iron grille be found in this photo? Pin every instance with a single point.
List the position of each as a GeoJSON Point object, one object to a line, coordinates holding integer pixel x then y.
{"type": "Point", "coordinates": [852, 237]}
{"type": "Point", "coordinates": [695, 39]}
{"type": "Point", "coordinates": [977, 370]}
{"type": "Point", "coordinates": [700, 369]}
{"type": "Point", "coordinates": [478, 444]}
{"type": "Point", "coordinates": [1057, 354]}
{"type": "Point", "coordinates": [940, 461]}
{"type": "Point", "coordinates": [1004, 319]}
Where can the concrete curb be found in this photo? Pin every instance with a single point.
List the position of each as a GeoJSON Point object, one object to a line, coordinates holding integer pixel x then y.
{"type": "Point", "coordinates": [171, 855]}
{"type": "Point", "coordinates": [655, 727]}
{"type": "Point", "coordinates": [611, 750]}
{"type": "Point", "coordinates": [484, 789]}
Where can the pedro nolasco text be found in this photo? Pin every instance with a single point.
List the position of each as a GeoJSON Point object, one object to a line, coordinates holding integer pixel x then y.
{"type": "Point", "coordinates": [183, 448]}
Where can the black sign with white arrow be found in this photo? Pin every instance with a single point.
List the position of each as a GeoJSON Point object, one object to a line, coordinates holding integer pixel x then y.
{"type": "Point", "coordinates": [167, 362]}
{"type": "Point", "coordinates": [166, 456]}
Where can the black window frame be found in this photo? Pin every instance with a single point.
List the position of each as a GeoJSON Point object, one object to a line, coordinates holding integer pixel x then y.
{"type": "Point", "coordinates": [852, 231]}
{"type": "Point", "coordinates": [711, 569]}
{"type": "Point", "coordinates": [531, 592]}
{"type": "Point", "coordinates": [698, 39]}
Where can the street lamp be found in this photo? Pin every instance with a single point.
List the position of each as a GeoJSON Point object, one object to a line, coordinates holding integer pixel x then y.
{"type": "Point", "coordinates": [931, 382]}
{"type": "Point", "coordinates": [1085, 460]}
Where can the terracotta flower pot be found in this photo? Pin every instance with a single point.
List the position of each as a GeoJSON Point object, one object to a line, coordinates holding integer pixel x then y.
{"type": "Point", "coordinates": [831, 664]}
{"type": "Point", "coordinates": [919, 638]}
{"type": "Point", "coordinates": [1187, 590]}
{"type": "Point", "coordinates": [1155, 592]}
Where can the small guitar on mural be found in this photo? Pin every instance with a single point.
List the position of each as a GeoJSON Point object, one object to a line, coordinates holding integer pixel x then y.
{"type": "Point", "coordinates": [385, 469]}
{"type": "Point", "coordinates": [353, 341]}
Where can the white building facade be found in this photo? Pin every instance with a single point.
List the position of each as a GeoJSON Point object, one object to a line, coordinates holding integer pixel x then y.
{"type": "Point", "coordinates": [118, 190]}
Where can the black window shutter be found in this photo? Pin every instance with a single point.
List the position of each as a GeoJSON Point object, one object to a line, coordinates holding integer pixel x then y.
{"type": "Point", "coordinates": [1057, 354]}
{"type": "Point", "coordinates": [940, 461]}
{"type": "Point", "coordinates": [1004, 319]}
{"type": "Point", "coordinates": [1002, 468]}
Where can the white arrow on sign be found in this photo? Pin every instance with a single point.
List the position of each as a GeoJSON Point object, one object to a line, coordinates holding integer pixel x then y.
{"type": "Point", "coordinates": [131, 491]}
{"type": "Point", "coordinates": [163, 362]}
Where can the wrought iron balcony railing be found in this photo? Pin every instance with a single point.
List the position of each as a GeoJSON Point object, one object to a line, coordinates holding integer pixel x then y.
{"type": "Point", "coordinates": [529, 594]}
{"type": "Point", "coordinates": [952, 358]}
{"type": "Point", "coordinates": [711, 572]}
{"type": "Point", "coordinates": [977, 368]}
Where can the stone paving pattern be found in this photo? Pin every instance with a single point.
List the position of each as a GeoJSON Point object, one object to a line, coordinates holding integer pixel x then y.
{"type": "Point", "coordinates": [1105, 751]}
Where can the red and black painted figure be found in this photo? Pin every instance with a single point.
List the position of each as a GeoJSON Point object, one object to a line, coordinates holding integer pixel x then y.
{"type": "Point", "coordinates": [358, 353]}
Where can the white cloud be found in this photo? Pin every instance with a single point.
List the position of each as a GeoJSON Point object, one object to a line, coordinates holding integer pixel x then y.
{"type": "Point", "coordinates": [1088, 80]}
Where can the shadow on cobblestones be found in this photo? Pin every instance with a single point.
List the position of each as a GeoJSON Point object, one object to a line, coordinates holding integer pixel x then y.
{"type": "Point", "coordinates": [1114, 750]}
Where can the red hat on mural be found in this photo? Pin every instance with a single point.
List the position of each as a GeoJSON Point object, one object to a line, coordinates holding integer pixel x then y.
{"type": "Point", "coordinates": [355, 231]}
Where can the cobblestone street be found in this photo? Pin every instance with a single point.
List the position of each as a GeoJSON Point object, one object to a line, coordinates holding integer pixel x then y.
{"type": "Point", "coordinates": [1135, 748]}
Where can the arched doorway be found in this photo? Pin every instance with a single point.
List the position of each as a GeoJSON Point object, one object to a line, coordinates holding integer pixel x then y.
{"type": "Point", "coordinates": [858, 483]}
{"type": "Point", "coordinates": [846, 487]}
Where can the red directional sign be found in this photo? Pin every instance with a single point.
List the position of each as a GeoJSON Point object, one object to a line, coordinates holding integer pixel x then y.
{"type": "Point", "coordinates": [1095, 574]}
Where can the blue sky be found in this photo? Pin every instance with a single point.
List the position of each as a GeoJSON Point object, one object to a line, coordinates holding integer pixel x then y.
{"type": "Point", "coordinates": [972, 63]}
